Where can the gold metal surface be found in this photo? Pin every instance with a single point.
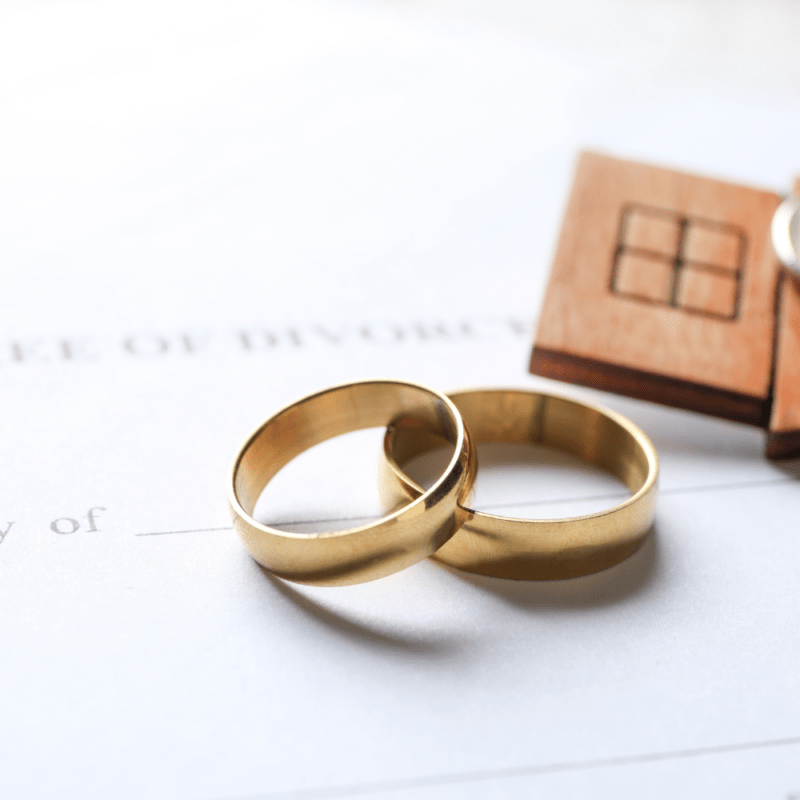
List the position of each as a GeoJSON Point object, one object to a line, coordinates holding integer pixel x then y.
{"type": "Point", "coordinates": [370, 551]}
{"type": "Point", "coordinates": [507, 547]}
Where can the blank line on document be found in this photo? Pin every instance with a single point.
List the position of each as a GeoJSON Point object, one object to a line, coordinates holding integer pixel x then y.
{"type": "Point", "coordinates": [520, 504]}
{"type": "Point", "coordinates": [354, 790]}
{"type": "Point", "coordinates": [192, 530]}
{"type": "Point", "coordinates": [721, 487]}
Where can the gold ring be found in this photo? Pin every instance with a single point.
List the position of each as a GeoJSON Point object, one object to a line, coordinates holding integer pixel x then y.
{"type": "Point", "coordinates": [548, 549]}
{"type": "Point", "coordinates": [394, 542]}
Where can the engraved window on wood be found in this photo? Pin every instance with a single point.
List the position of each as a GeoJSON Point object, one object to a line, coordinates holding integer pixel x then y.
{"type": "Point", "coordinates": [689, 263]}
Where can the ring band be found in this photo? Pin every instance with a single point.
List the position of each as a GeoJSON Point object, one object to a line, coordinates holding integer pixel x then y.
{"type": "Point", "coordinates": [548, 549]}
{"type": "Point", "coordinates": [364, 553]}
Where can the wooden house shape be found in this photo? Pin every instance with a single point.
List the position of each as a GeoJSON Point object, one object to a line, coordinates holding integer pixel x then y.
{"type": "Point", "coordinates": [665, 287]}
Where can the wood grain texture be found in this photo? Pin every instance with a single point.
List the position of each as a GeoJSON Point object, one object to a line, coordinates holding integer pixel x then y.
{"type": "Point", "coordinates": [786, 403]}
{"type": "Point", "coordinates": [663, 287]}
{"type": "Point", "coordinates": [647, 386]}
{"type": "Point", "coordinates": [783, 436]}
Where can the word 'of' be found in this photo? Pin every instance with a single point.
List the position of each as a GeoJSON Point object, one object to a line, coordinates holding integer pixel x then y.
{"type": "Point", "coordinates": [65, 525]}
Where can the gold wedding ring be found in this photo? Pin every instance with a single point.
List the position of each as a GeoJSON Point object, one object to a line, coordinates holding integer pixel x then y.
{"type": "Point", "coordinates": [547, 549]}
{"type": "Point", "coordinates": [364, 553]}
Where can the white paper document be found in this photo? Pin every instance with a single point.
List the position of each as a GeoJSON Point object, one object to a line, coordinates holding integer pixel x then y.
{"type": "Point", "coordinates": [210, 210]}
